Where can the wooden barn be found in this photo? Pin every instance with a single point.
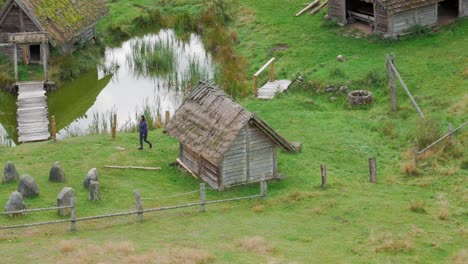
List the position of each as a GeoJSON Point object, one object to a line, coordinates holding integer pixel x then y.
{"type": "Point", "coordinates": [60, 23]}
{"type": "Point", "coordinates": [395, 17]}
{"type": "Point", "coordinates": [223, 143]}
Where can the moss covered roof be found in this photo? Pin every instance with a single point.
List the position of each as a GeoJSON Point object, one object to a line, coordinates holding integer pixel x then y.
{"type": "Point", "coordinates": [63, 19]}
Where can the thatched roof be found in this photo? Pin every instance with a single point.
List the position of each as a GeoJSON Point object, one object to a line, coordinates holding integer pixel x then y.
{"type": "Point", "coordinates": [63, 20]}
{"type": "Point", "coordinates": [397, 6]}
{"type": "Point", "coordinates": [209, 121]}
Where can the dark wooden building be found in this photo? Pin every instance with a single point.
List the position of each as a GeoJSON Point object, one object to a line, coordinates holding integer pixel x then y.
{"type": "Point", "coordinates": [63, 23]}
{"type": "Point", "coordinates": [395, 17]}
{"type": "Point", "coordinates": [222, 142]}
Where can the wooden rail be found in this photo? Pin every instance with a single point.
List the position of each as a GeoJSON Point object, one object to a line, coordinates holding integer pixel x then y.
{"type": "Point", "coordinates": [139, 212]}
{"type": "Point", "coordinates": [35, 210]}
{"type": "Point", "coordinates": [271, 63]}
{"type": "Point", "coordinates": [442, 138]}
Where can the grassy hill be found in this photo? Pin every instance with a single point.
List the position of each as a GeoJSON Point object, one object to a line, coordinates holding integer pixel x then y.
{"type": "Point", "coordinates": [405, 218]}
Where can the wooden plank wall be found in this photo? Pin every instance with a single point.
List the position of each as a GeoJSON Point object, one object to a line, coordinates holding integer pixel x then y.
{"type": "Point", "coordinates": [13, 24]}
{"type": "Point", "coordinates": [463, 12]}
{"type": "Point", "coordinates": [262, 161]}
{"type": "Point", "coordinates": [424, 16]}
{"type": "Point", "coordinates": [337, 10]}
{"type": "Point", "coordinates": [251, 156]}
{"type": "Point", "coordinates": [234, 169]}
{"type": "Point", "coordinates": [209, 173]}
{"type": "Point", "coordinates": [381, 18]}
{"type": "Point", "coordinates": [189, 158]}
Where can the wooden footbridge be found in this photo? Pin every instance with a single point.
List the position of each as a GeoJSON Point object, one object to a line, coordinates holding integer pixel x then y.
{"type": "Point", "coordinates": [272, 87]}
{"type": "Point", "coordinates": [33, 121]}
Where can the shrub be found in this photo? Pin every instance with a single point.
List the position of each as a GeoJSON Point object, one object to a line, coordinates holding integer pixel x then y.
{"type": "Point", "coordinates": [417, 206]}
{"type": "Point", "coordinates": [428, 131]}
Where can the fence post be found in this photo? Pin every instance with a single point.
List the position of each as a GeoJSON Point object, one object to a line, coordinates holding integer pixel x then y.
{"type": "Point", "coordinates": [202, 197]}
{"type": "Point", "coordinates": [373, 170]}
{"type": "Point", "coordinates": [73, 214]}
{"type": "Point", "coordinates": [415, 151]}
{"type": "Point", "coordinates": [323, 170]}
{"type": "Point", "coordinates": [450, 130]}
{"type": "Point", "coordinates": [168, 117]}
{"type": "Point", "coordinates": [263, 187]}
{"type": "Point", "coordinates": [255, 85]}
{"type": "Point", "coordinates": [138, 205]}
{"type": "Point", "coordinates": [15, 60]}
{"type": "Point", "coordinates": [54, 129]}
{"type": "Point", "coordinates": [392, 84]}
{"type": "Point", "coordinates": [272, 71]}
{"type": "Point", "coordinates": [114, 127]}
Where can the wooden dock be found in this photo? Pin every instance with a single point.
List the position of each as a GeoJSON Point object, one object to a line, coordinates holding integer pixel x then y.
{"type": "Point", "coordinates": [33, 121]}
{"type": "Point", "coordinates": [269, 90]}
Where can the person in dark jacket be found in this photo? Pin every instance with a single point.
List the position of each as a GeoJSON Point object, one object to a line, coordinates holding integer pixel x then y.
{"type": "Point", "coordinates": [144, 132]}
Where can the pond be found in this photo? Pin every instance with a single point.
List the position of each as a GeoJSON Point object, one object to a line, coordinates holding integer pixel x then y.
{"type": "Point", "coordinates": [145, 75]}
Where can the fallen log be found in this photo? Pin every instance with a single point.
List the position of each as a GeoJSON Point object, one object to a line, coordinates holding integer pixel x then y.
{"type": "Point", "coordinates": [308, 7]}
{"type": "Point", "coordinates": [132, 167]}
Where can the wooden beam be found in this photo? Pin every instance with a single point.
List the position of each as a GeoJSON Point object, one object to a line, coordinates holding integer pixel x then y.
{"type": "Point", "coordinates": [308, 7]}
{"type": "Point", "coordinates": [132, 167]}
{"type": "Point", "coordinates": [397, 74]}
{"type": "Point", "coordinates": [319, 7]}
{"type": "Point", "coordinates": [187, 168]}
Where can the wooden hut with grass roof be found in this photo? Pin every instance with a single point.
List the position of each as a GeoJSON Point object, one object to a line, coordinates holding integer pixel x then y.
{"type": "Point", "coordinates": [61, 23]}
{"type": "Point", "coordinates": [396, 17]}
{"type": "Point", "coordinates": [223, 143]}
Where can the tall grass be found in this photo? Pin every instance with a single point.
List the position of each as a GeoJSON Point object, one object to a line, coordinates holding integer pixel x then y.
{"type": "Point", "coordinates": [152, 60]}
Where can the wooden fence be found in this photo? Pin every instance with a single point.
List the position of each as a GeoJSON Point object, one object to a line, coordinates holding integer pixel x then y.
{"type": "Point", "coordinates": [418, 152]}
{"type": "Point", "coordinates": [139, 208]}
{"type": "Point", "coordinates": [393, 72]}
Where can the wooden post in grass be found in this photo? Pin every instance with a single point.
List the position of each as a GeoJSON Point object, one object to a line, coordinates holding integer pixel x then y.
{"type": "Point", "coordinates": [392, 84]}
{"type": "Point", "coordinates": [15, 60]}
{"type": "Point", "coordinates": [373, 170]}
{"type": "Point", "coordinates": [139, 206]}
{"type": "Point", "coordinates": [202, 197]}
{"type": "Point", "coordinates": [72, 215]}
{"type": "Point", "coordinates": [53, 128]}
{"type": "Point", "coordinates": [450, 130]}
{"type": "Point", "coordinates": [263, 187]}
{"type": "Point", "coordinates": [415, 151]}
{"type": "Point", "coordinates": [272, 71]}
{"type": "Point", "coordinates": [168, 117]}
{"type": "Point", "coordinates": [114, 126]}
{"type": "Point", "coordinates": [255, 86]}
{"type": "Point", "coordinates": [323, 170]}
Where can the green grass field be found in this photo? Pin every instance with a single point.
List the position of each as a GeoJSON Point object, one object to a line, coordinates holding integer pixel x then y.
{"type": "Point", "coordinates": [401, 219]}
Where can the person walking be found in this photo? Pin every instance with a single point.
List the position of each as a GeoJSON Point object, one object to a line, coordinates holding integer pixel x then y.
{"type": "Point", "coordinates": [144, 132]}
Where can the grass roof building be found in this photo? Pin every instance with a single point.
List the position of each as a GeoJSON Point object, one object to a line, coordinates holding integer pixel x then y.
{"type": "Point", "coordinates": [222, 142]}
{"type": "Point", "coordinates": [63, 23]}
{"type": "Point", "coordinates": [396, 17]}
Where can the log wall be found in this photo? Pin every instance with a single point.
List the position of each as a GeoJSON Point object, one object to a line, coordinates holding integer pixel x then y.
{"type": "Point", "coordinates": [399, 23]}
{"type": "Point", "coordinates": [337, 10]}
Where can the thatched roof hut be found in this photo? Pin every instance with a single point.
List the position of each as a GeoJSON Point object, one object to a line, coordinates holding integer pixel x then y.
{"type": "Point", "coordinates": [222, 142]}
{"type": "Point", "coordinates": [395, 17]}
{"type": "Point", "coordinates": [65, 22]}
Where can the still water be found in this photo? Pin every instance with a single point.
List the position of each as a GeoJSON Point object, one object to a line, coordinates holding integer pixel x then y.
{"type": "Point", "coordinates": [129, 82]}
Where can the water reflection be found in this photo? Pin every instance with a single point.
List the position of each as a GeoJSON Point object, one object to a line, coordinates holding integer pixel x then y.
{"type": "Point", "coordinates": [131, 82]}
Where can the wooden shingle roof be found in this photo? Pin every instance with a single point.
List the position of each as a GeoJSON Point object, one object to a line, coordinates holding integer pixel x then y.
{"type": "Point", "coordinates": [209, 121]}
{"type": "Point", "coordinates": [397, 6]}
{"type": "Point", "coordinates": [63, 20]}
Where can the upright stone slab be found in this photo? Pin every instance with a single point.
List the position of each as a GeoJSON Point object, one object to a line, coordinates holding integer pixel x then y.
{"type": "Point", "coordinates": [64, 199]}
{"type": "Point", "coordinates": [10, 173]}
{"type": "Point", "coordinates": [56, 173]}
{"type": "Point", "coordinates": [15, 203]}
{"type": "Point", "coordinates": [28, 187]}
{"type": "Point", "coordinates": [91, 176]}
{"type": "Point", "coordinates": [94, 190]}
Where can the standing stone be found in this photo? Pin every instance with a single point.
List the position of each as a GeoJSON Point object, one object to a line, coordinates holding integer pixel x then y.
{"type": "Point", "coordinates": [91, 176]}
{"type": "Point", "coordinates": [10, 173]}
{"type": "Point", "coordinates": [15, 203]}
{"type": "Point", "coordinates": [64, 199]}
{"type": "Point", "coordinates": [94, 190]}
{"type": "Point", "coordinates": [56, 173]}
{"type": "Point", "coordinates": [28, 186]}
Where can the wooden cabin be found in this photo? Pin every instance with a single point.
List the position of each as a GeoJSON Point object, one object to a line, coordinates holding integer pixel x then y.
{"type": "Point", "coordinates": [62, 23]}
{"type": "Point", "coordinates": [395, 17]}
{"type": "Point", "coordinates": [223, 143]}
